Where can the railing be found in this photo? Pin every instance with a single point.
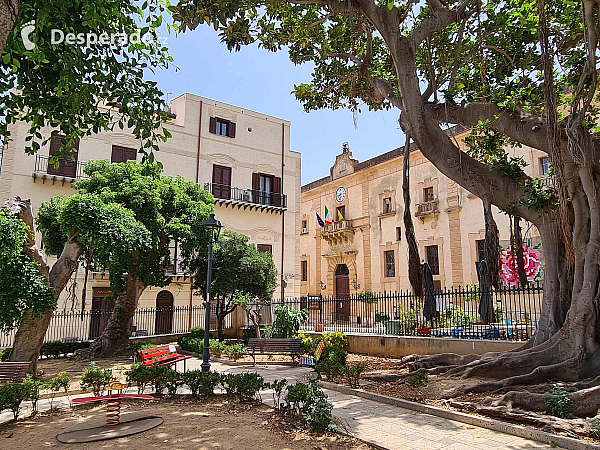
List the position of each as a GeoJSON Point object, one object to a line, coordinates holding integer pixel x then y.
{"type": "Point", "coordinates": [513, 313]}
{"type": "Point", "coordinates": [427, 208]}
{"type": "Point", "coordinates": [548, 180]}
{"type": "Point", "coordinates": [78, 326]}
{"type": "Point", "coordinates": [338, 226]}
{"type": "Point", "coordinates": [68, 169]}
{"type": "Point", "coordinates": [252, 196]}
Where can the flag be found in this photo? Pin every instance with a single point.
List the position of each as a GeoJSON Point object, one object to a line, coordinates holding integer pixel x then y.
{"type": "Point", "coordinates": [319, 350]}
{"type": "Point", "coordinates": [340, 217]}
{"type": "Point", "coordinates": [320, 221]}
{"type": "Point", "coordinates": [328, 218]}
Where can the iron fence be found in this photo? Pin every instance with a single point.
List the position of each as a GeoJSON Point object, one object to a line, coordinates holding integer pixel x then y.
{"type": "Point", "coordinates": [87, 325]}
{"type": "Point", "coordinates": [514, 313]}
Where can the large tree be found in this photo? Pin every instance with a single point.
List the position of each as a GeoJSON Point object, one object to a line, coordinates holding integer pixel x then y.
{"type": "Point", "coordinates": [169, 208]}
{"type": "Point", "coordinates": [69, 229]}
{"type": "Point", "coordinates": [238, 268]}
{"type": "Point", "coordinates": [525, 69]}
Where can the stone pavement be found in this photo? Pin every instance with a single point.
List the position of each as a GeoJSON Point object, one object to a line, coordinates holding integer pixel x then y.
{"type": "Point", "coordinates": [392, 427]}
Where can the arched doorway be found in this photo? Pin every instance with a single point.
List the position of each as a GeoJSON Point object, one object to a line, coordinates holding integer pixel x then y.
{"type": "Point", "coordinates": [163, 323]}
{"type": "Point", "coordinates": [342, 293]}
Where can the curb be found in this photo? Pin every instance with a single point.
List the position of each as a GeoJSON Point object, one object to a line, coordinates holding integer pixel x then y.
{"type": "Point", "coordinates": [483, 422]}
{"type": "Point", "coordinates": [235, 363]}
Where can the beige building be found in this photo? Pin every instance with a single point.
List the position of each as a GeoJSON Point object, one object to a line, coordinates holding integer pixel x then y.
{"type": "Point", "coordinates": [243, 157]}
{"type": "Point", "coordinates": [365, 250]}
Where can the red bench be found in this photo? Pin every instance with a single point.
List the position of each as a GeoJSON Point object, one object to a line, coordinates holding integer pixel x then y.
{"type": "Point", "coordinates": [163, 355]}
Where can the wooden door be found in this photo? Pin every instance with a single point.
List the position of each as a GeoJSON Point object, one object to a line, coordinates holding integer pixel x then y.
{"type": "Point", "coordinates": [342, 294]}
{"type": "Point", "coordinates": [163, 322]}
{"type": "Point", "coordinates": [101, 312]}
{"type": "Point", "coordinates": [221, 182]}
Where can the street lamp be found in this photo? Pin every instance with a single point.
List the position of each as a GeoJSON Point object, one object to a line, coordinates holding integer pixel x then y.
{"type": "Point", "coordinates": [211, 224]}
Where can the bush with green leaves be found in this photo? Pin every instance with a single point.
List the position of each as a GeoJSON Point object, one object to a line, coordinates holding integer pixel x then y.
{"type": "Point", "coordinates": [235, 351]}
{"type": "Point", "coordinates": [244, 386]}
{"type": "Point", "coordinates": [381, 317]}
{"type": "Point", "coordinates": [187, 342]}
{"type": "Point", "coordinates": [332, 362]}
{"type": "Point", "coordinates": [141, 375]}
{"type": "Point", "coordinates": [217, 348]}
{"type": "Point", "coordinates": [336, 339]}
{"type": "Point", "coordinates": [58, 348]}
{"type": "Point", "coordinates": [454, 316]}
{"type": "Point", "coordinates": [201, 383]}
{"type": "Point", "coordinates": [173, 380]}
{"type": "Point", "coordinates": [308, 402]}
{"type": "Point", "coordinates": [558, 403]}
{"type": "Point", "coordinates": [11, 397]}
{"type": "Point", "coordinates": [5, 354]}
{"type": "Point", "coordinates": [278, 386]}
{"type": "Point", "coordinates": [96, 378]}
{"type": "Point", "coordinates": [417, 380]}
{"type": "Point", "coordinates": [32, 390]}
{"type": "Point", "coordinates": [61, 382]}
{"type": "Point", "coordinates": [352, 374]}
{"type": "Point", "coordinates": [139, 347]}
{"type": "Point", "coordinates": [287, 322]}
{"type": "Point", "coordinates": [164, 379]}
{"type": "Point", "coordinates": [308, 344]}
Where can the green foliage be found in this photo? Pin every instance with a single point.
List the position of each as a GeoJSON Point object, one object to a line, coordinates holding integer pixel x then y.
{"type": "Point", "coordinates": [5, 354]}
{"type": "Point", "coordinates": [61, 382]}
{"type": "Point", "coordinates": [454, 316]}
{"type": "Point", "coordinates": [287, 321]}
{"type": "Point", "coordinates": [366, 297]}
{"type": "Point", "coordinates": [235, 351]}
{"type": "Point", "coordinates": [138, 347]}
{"type": "Point", "coordinates": [352, 374]}
{"type": "Point", "coordinates": [471, 293]}
{"type": "Point", "coordinates": [22, 286]}
{"type": "Point", "coordinates": [244, 386]}
{"type": "Point", "coordinates": [173, 380]}
{"type": "Point", "coordinates": [57, 348]}
{"type": "Point", "coordinates": [539, 196]}
{"type": "Point", "coordinates": [335, 339]}
{"type": "Point", "coordinates": [558, 403]}
{"type": "Point", "coordinates": [32, 390]}
{"type": "Point", "coordinates": [331, 362]}
{"type": "Point", "coordinates": [309, 402]}
{"type": "Point", "coordinates": [308, 344]}
{"type": "Point", "coordinates": [417, 380]}
{"type": "Point", "coordinates": [278, 386]}
{"type": "Point", "coordinates": [165, 378]}
{"type": "Point", "coordinates": [11, 397]}
{"type": "Point", "coordinates": [189, 341]}
{"type": "Point", "coordinates": [140, 375]}
{"type": "Point", "coordinates": [593, 426]}
{"type": "Point", "coordinates": [380, 317]}
{"type": "Point", "coordinates": [96, 378]}
{"type": "Point", "coordinates": [75, 79]}
{"type": "Point", "coordinates": [201, 383]}
{"type": "Point", "coordinates": [217, 348]}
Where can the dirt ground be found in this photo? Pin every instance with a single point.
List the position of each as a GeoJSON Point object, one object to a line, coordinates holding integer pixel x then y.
{"type": "Point", "coordinates": [188, 424]}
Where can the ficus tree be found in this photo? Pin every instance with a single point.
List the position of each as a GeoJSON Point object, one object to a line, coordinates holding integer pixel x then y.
{"type": "Point", "coordinates": [523, 69]}
{"type": "Point", "coordinates": [238, 267]}
{"type": "Point", "coordinates": [68, 227]}
{"type": "Point", "coordinates": [169, 208]}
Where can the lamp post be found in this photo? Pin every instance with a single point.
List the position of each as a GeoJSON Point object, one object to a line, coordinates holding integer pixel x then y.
{"type": "Point", "coordinates": [211, 224]}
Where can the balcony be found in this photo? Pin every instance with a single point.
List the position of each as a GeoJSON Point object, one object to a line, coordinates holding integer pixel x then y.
{"type": "Point", "coordinates": [426, 208]}
{"type": "Point", "coordinates": [338, 233]}
{"type": "Point", "coordinates": [66, 171]}
{"type": "Point", "coordinates": [247, 198]}
{"type": "Point", "coordinates": [548, 181]}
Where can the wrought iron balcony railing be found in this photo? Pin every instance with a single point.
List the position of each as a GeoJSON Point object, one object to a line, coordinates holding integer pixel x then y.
{"type": "Point", "coordinates": [66, 169]}
{"type": "Point", "coordinates": [229, 194]}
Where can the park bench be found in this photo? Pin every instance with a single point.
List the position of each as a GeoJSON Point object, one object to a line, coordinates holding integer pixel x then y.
{"type": "Point", "coordinates": [289, 347]}
{"type": "Point", "coordinates": [163, 355]}
{"type": "Point", "coordinates": [13, 372]}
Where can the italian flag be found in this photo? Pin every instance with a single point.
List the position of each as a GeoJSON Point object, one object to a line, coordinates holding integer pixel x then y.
{"type": "Point", "coordinates": [328, 218]}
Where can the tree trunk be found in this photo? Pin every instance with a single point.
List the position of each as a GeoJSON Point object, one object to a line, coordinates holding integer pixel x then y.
{"type": "Point", "coordinates": [9, 13]}
{"type": "Point", "coordinates": [115, 337]}
{"type": "Point", "coordinates": [221, 319]}
{"type": "Point", "coordinates": [32, 329]}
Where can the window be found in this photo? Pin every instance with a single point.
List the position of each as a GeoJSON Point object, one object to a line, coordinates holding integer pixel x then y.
{"type": "Point", "coordinates": [431, 252]}
{"type": "Point", "coordinates": [304, 270]}
{"type": "Point", "coordinates": [428, 194]}
{"type": "Point", "coordinates": [221, 182]}
{"type": "Point", "coordinates": [304, 228]}
{"type": "Point", "coordinates": [265, 248]}
{"type": "Point", "coordinates": [398, 233]}
{"type": "Point", "coordinates": [122, 154]}
{"type": "Point", "coordinates": [266, 189]}
{"type": "Point", "coordinates": [480, 249]}
{"type": "Point", "coordinates": [222, 127]}
{"type": "Point", "coordinates": [341, 213]}
{"type": "Point", "coordinates": [544, 166]}
{"type": "Point", "coordinates": [387, 205]}
{"type": "Point", "coordinates": [67, 166]}
{"type": "Point", "coordinates": [390, 264]}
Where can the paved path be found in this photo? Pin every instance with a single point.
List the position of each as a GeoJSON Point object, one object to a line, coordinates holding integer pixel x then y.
{"type": "Point", "coordinates": [394, 427]}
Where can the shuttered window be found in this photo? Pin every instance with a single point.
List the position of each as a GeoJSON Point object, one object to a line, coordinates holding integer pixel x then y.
{"type": "Point", "coordinates": [304, 270]}
{"type": "Point", "coordinates": [122, 154]}
{"type": "Point", "coordinates": [266, 189]}
{"type": "Point", "coordinates": [221, 182]}
{"type": "Point", "coordinates": [67, 166]}
{"type": "Point", "coordinates": [431, 252]}
{"type": "Point", "coordinates": [222, 127]}
{"type": "Point", "coordinates": [265, 248]}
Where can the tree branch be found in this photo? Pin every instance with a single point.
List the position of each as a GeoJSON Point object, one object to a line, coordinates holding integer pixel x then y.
{"type": "Point", "coordinates": [441, 17]}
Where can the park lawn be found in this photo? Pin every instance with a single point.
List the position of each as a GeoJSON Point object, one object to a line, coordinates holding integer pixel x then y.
{"type": "Point", "coordinates": [188, 424]}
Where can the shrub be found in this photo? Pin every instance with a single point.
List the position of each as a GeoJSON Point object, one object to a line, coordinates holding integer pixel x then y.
{"type": "Point", "coordinates": [57, 348]}
{"type": "Point", "coordinates": [32, 390]}
{"type": "Point", "coordinates": [558, 403]}
{"type": "Point", "coordinates": [366, 297]}
{"type": "Point", "coordinates": [201, 383]}
{"type": "Point", "coordinates": [235, 351]}
{"type": "Point", "coordinates": [173, 381]}
{"type": "Point", "coordinates": [380, 317]}
{"type": "Point", "coordinates": [142, 376]}
{"type": "Point", "coordinates": [277, 386]}
{"type": "Point", "coordinates": [96, 378]}
{"type": "Point", "coordinates": [243, 386]}
{"type": "Point", "coordinates": [217, 348]}
{"type": "Point", "coordinates": [61, 382]}
{"type": "Point", "coordinates": [455, 317]}
{"type": "Point", "coordinates": [11, 397]}
{"type": "Point", "coordinates": [165, 379]}
{"type": "Point", "coordinates": [417, 380]}
{"type": "Point", "coordinates": [352, 374]}
{"type": "Point", "coordinates": [5, 354]}
{"type": "Point", "coordinates": [138, 347]}
{"type": "Point", "coordinates": [287, 322]}
{"type": "Point", "coordinates": [309, 402]}
{"type": "Point", "coordinates": [186, 342]}
{"type": "Point", "coordinates": [331, 362]}
{"type": "Point", "coordinates": [336, 339]}
{"type": "Point", "coordinates": [308, 344]}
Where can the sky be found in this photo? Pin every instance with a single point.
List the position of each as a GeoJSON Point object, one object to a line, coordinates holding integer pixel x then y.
{"type": "Point", "coordinates": [262, 81]}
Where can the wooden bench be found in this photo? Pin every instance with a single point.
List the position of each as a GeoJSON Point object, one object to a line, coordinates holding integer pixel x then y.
{"type": "Point", "coordinates": [289, 347]}
{"type": "Point", "coordinates": [163, 355]}
{"type": "Point", "coordinates": [13, 372]}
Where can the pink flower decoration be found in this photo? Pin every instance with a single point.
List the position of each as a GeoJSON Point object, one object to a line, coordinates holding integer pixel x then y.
{"type": "Point", "coordinates": [508, 270]}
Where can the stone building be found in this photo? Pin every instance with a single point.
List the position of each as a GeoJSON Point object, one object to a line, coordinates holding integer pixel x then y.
{"type": "Point", "coordinates": [364, 248]}
{"type": "Point", "coordinates": [243, 157]}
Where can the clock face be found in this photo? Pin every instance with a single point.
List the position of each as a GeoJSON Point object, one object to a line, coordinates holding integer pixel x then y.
{"type": "Point", "coordinates": [340, 195]}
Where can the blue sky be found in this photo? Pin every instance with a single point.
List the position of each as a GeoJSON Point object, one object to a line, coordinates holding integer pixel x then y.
{"type": "Point", "coordinates": [262, 81]}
